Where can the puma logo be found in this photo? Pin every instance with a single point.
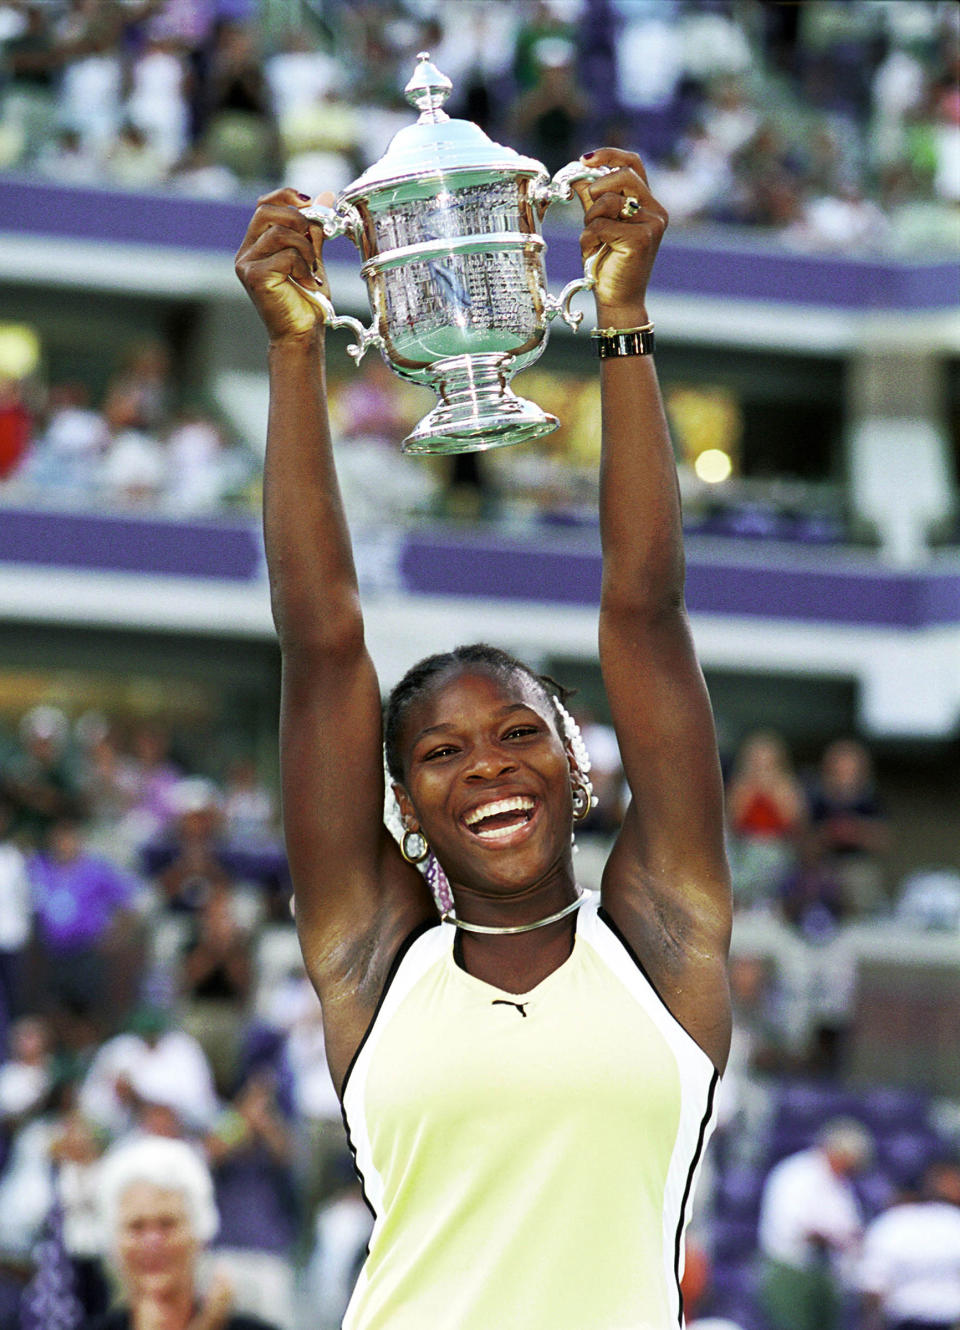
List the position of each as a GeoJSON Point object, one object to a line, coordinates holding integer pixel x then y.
{"type": "Point", "coordinates": [520, 1006]}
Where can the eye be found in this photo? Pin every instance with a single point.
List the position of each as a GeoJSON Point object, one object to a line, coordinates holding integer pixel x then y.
{"type": "Point", "coordinates": [521, 731]}
{"type": "Point", "coordinates": [442, 750]}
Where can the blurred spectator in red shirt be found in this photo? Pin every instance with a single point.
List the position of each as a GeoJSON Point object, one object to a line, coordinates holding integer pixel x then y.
{"type": "Point", "coordinates": [765, 812]}
{"type": "Point", "coordinates": [15, 426]}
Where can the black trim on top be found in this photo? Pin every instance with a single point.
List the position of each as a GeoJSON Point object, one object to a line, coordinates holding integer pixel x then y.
{"type": "Point", "coordinates": [603, 913]}
{"type": "Point", "coordinates": [714, 1082]}
{"type": "Point", "coordinates": [402, 950]}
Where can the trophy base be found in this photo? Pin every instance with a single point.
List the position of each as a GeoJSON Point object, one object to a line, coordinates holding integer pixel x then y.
{"type": "Point", "coordinates": [478, 409]}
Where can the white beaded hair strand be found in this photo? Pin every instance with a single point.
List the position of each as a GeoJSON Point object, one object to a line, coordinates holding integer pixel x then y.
{"type": "Point", "coordinates": [574, 737]}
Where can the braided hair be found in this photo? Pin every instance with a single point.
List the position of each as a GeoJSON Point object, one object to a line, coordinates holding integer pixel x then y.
{"type": "Point", "coordinates": [421, 676]}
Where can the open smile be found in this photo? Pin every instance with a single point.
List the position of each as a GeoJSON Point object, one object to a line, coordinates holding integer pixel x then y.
{"type": "Point", "coordinates": [501, 820]}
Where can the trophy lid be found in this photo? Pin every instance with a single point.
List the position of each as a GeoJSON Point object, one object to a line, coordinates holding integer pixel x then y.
{"type": "Point", "coordinates": [437, 145]}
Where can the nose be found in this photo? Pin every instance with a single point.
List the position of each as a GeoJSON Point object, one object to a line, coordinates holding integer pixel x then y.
{"type": "Point", "coordinates": [488, 761]}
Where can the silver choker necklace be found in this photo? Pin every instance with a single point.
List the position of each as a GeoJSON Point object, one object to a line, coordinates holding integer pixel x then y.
{"type": "Point", "coordinates": [449, 918]}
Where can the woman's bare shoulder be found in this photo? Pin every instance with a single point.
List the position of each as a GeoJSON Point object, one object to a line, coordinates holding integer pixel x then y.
{"type": "Point", "coordinates": [681, 941]}
{"type": "Point", "coordinates": [350, 978]}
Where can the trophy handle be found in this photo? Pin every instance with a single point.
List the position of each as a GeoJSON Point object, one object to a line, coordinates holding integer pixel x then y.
{"type": "Point", "coordinates": [554, 305]}
{"type": "Point", "coordinates": [342, 220]}
{"type": "Point", "coordinates": [366, 337]}
{"type": "Point", "coordinates": [546, 191]}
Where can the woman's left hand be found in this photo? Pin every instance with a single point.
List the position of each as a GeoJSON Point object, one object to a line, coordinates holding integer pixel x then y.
{"type": "Point", "coordinates": [214, 1311]}
{"type": "Point", "coordinates": [621, 215]}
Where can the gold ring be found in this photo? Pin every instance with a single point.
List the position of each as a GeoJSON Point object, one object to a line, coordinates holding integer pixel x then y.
{"type": "Point", "coordinates": [631, 207]}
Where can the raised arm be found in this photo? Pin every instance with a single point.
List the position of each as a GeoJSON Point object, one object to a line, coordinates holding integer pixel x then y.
{"type": "Point", "coordinates": [666, 883]}
{"type": "Point", "coordinates": [355, 897]}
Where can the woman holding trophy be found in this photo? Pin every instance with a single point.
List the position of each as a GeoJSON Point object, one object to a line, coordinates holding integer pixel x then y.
{"type": "Point", "coordinates": [527, 1078]}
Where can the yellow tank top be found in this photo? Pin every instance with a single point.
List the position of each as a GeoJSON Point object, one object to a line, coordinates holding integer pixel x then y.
{"type": "Point", "coordinates": [530, 1159]}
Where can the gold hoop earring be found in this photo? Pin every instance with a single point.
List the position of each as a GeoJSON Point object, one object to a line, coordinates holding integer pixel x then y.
{"type": "Point", "coordinates": [582, 799]}
{"type": "Point", "coordinates": [421, 850]}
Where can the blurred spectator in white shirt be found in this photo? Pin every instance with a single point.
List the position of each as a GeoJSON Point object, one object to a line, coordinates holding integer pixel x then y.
{"type": "Point", "coordinates": [299, 76]}
{"type": "Point", "coordinates": [909, 1271]}
{"type": "Point", "coordinates": [744, 1099]}
{"type": "Point", "coordinates": [729, 117]}
{"type": "Point", "coordinates": [134, 161]}
{"type": "Point", "coordinates": [134, 470]}
{"type": "Point", "coordinates": [319, 127]}
{"type": "Point", "coordinates": [25, 1074]}
{"type": "Point", "coordinates": [150, 1064]}
{"type": "Point", "coordinates": [199, 175]}
{"type": "Point", "coordinates": [810, 1227]}
{"type": "Point", "coordinates": [292, 1007]}
{"type": "Point", "coordinates": [202, 470]}
{"type": "Point", "coordinates": [694, 178]}
{"type": "Point", "coordinates": [248, 808]}
{"type": "Point", "coordinates": [157, 103]}
{"type": "Point", "coordinates": [65, 159]}
{"type": "Point", "coordinates": [649, 55]}
{"type": "Point", "coordinates": [92, 79]}
{"type": "Point", "coordinates": [946, 144]}
{"type": "Point", "coordinates": [109, 781]}
{"type": "Point", "coordinates": [66, 457]}
{"type": "Point", "coordinates": [341, 1232]}
{"type": "Point", "coordinates": [16, 918]}
{"type": "Point", "coordinates": [841, 222]}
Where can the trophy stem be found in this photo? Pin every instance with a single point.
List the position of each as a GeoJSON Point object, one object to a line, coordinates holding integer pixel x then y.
{"type": "Point", "coordinates": [477, 409]}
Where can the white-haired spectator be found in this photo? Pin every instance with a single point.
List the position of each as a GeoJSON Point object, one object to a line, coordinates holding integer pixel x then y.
{"type": "Point", "coordinates": [810, 1227]}
{"type": "Point", "coordinates": [159, 1214]}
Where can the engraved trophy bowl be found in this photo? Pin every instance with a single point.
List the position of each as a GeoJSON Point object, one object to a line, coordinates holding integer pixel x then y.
{"type": "Point", "coordinates": [448, 226]}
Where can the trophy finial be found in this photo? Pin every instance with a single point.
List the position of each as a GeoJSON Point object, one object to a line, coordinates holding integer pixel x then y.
{"type": "Point", "coordinates": [428, 89]}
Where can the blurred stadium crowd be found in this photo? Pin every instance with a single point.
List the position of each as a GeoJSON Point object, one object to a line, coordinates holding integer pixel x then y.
{"type": "Point", "coordinates": [831, 126]}
{"type": "Point", "coordinates": [140, 447]}
{"type": "Point", "coordinates": [150, 983]}
{"type": "Point", "coordinates": [150, 979]}
{"type": "Point", "coordinates": [831, 123]}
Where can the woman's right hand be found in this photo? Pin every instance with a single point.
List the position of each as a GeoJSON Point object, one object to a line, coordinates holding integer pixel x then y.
{"type": "Point", "coordinates": [281, 243]}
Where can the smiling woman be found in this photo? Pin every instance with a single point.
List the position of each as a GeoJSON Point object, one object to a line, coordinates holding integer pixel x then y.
{"type": "Point", "coordinates": [527, 1071]}
{"type": "Point", "coordinates": [159, 1214]}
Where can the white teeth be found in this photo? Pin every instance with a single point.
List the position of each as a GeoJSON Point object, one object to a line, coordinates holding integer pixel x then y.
{"type": "Point", "coordinates": [518, 804]}
{"type": "Point", "coordinates": [497, 833]}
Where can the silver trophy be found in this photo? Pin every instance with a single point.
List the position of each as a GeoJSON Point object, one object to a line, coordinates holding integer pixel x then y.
{"type": "Point", "coordinates": [448, 224]}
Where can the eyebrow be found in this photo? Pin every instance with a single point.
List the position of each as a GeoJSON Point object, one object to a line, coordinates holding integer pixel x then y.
{"type": "Point", "coordinates": [508, 710]}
